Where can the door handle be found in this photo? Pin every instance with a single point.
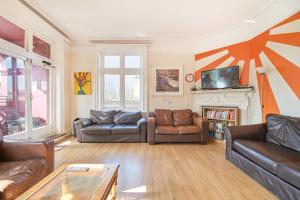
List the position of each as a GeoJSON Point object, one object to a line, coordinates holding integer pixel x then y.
{"type": "Point", "coordinates": [31, 97]}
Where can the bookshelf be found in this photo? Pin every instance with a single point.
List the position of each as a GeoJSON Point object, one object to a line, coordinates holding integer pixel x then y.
{"type": "Point", "coordinates": [220, 117]}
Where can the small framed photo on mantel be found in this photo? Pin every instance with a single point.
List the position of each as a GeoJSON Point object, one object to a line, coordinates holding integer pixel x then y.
{"type": "Point", "coordinates": [167, 81]}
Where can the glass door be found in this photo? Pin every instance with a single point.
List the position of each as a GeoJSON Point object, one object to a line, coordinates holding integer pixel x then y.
{"type": "Point", "coordinates": [13, 109]}
{"type": "Point", "coordinates": [40, 100]}
{"type": "Point", "coordinates": [25, 98]}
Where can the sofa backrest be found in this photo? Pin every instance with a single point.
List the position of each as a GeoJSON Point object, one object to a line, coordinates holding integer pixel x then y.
{"type": "Point", "coordinates": [115, 117]}
{"type": "Point", "coordinates": [102, 117]}
{"type": "Point", "coordinates": [283, 130]}
{"type": "Point", "coordinates": [165, 117]}
{"type": "Point", "coordinates": [183, 117]}
{"type": "Point", "coordinates": [124, 117]}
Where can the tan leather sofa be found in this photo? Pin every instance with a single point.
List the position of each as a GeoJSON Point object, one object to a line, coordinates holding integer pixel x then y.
{"type": "Point", "coordinates": [176, 126]}
{"type": "Point", "coordinates": [23, 164]}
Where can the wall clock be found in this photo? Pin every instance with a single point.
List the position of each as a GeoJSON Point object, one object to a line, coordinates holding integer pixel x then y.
{"type": "Point", "coordinates": [189, 78]}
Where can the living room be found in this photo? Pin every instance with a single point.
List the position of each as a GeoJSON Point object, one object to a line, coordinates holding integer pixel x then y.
{"type": "Point", "coordinates": [150, 99]}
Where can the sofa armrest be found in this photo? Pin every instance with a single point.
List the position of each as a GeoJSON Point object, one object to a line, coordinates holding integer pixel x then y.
{"type": "Point", "coordinates": [203, 124]}
{"type": "Point", "coordinates": [142, 122]}
{"type": "Point", "coordinates": [151, 130]}
{"type": "Point", "coordinates": [247, 132]}
{"type": "Point", "coordinates": [79, 124]}
{"type": "Point", "coordinates": [28, 149]}
{"type": "Point", "coordinates": [84, 122]}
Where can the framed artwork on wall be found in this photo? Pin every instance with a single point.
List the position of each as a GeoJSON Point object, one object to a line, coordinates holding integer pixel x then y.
{"type": "Point", "coordinates": [82, 83]}
{"type": "Point", "coordinates": [167, 81]}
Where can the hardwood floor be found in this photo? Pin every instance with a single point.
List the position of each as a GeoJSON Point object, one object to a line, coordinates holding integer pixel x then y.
{"type": "Point", "coordinates": [168, 171]}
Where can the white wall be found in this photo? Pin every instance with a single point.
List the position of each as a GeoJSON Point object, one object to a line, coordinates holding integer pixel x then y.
{"type": "Point", "coordinates": [83, 58]}
{"type": "Point", "coordinates": [264, 19]}
{"type": "Point", "coordinates": [170, 53]}
{"type": "Point", "coordinates": [161, 53]}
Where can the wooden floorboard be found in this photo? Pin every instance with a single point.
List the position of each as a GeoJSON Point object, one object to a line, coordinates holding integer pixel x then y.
{"type": "Point", "coordinates": [168, 171]}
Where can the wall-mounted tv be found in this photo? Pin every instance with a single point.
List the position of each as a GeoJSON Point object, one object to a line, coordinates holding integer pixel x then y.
{"type": "Point", "coordinates": [227, 77]}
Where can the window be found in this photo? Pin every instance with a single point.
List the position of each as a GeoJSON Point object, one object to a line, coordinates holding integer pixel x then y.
{"type": "Point", "coordinates": [122, 82]}
{"type": "Point", "coordinates": [41, 47]}
{"type": "Point", "coordinates": [26, 86]}
{"type": "Point", "coordinates": [12, 33]}
{"type": "Point", "coordinates": [40, 96]}
{"type": "Point", "coordinates": [12, 95]}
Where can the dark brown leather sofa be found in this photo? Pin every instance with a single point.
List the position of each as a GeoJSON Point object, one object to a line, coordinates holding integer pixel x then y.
{"type": "Point", "coordinates": [176, 126]}
{"type": "Point", "coordinates": [269, 153]}
{"type": "Point", "coordinates": [111, 126]}
{"type": "Point", "coordinates": [23, 164]}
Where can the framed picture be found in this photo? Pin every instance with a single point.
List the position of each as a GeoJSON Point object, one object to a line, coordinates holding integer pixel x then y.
{"type": "Point", "coordinates": [82, 83]}
{"type": "Point", "coordinates": [168, 81]}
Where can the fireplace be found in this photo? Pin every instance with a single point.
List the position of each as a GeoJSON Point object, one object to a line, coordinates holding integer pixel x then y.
{"type": "Point", "coordinates": [241, 98]}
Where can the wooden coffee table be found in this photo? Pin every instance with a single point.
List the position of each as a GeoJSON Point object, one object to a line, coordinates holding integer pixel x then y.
{"type": "Point", "coordinates": [96, 183]}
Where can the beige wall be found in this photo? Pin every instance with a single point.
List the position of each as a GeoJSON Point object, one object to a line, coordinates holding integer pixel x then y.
{"type": "Point", "coordinates": [160, 53]}
{"type": "Point", "coordinates": [170, 53]}
{"type": "Point", "coordinates": [83, 58]}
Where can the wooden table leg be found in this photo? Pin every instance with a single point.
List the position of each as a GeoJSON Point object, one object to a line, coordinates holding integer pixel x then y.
{"type": "Point", "coordinates": [114, 190]}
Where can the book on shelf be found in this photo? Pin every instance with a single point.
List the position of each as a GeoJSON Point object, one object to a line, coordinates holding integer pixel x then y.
{"type": "Point", "coordinates": [225, 115]}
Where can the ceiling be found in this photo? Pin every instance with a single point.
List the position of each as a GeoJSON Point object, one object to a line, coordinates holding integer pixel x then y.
{"type": "Point", "coordinates": [146, 19]}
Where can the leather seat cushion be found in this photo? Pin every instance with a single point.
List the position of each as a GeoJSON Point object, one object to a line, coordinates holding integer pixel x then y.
{"type": "Point", "coordinates": [163, 117]}
{"type": "Point", "coordinates": [125, 129]}
{"type": "Point", "coordinates": [97, 129]}
{"type": "Point", "coordinates": [183, 117]}
{"type": "Point", "coordinates": [18, 176]}
{"type": "Point", "coordinates": [265, 154]}
{"type": "Point", "coordinates": [168, 130]}
{"type": "Point", "coordinates": [191, 129]}
{"type": "Point", "coordinates": [290, 172]}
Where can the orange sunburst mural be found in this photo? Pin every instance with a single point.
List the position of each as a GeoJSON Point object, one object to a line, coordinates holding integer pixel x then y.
{"type": "Point", "coordinates": [279, 50]}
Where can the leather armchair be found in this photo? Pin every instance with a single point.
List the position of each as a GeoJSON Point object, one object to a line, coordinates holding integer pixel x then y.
{"type": "Point", "coordinates": [23, 164]}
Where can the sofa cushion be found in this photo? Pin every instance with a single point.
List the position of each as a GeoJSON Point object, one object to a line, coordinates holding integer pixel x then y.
{"type": "Point", "coordinates": [183, 117]}
{"type": "Point", "coordinates": [284, 130]}
{"type": "Point", "coordinates": [102, 117]}
{"type": "Point", "coordinates": [125, 129]}
{"type": "Point", "coordinates": [18, 176]}
{"type": "Point", "coordinates": [163, 117]}
{"type": "Point", "coordinates": [166, 130]}
{"type": "Point", "coordinates": [97, 129]}
{"type": "Point", "coordinates": [123, 117]}
{"type": "Point", "coordinates": [191, 129]}
{"type": "Point", "coordinates": [265, 154]}
{"type": "Point", "coordinates": [290, 172]}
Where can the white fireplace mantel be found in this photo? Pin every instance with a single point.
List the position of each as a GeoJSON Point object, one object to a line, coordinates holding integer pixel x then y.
{"type": "Point", "coordinates": [242, 98]}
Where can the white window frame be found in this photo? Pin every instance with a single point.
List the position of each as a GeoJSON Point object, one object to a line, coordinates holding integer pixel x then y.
{"type": "Point", "coordinates": [29, 56]}
{"type": "Point", "coordinates": [122, 51]}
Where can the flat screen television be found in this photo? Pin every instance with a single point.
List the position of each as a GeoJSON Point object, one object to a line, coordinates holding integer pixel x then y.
{"type": "Point", "coordinates": [227, 77]}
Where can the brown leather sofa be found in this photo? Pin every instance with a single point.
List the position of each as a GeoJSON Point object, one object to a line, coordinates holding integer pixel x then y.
{"type": "Point", "coordinates": [23, 164]}
{"type": "Point", "coordinates": [176, 126]}
{"type": "Point", "coordinates": [269, 153]}
{"type": "Point", "coordinates": [111, 126]}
